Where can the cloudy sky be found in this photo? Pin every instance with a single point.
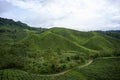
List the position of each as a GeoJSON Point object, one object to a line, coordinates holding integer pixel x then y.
{"type": "Point", "coordinates": [81, 15]}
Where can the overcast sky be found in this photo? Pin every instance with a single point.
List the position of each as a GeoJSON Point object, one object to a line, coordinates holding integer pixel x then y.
{"type": "Point", "coordinates": [81, 15]}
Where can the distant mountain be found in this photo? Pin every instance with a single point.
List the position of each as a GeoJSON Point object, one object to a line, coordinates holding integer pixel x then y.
{"type": "Point", "coordinates": [11, 23]}
{"type": "Point", "coordinates": [112, 33]}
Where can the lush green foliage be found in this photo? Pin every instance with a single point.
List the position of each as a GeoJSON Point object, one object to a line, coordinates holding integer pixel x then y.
{"type": "Point", "coordinates": [49, 51]}
{"type": "Point", "coordinates": [113, 33]}
{"type": "Point", "coordinates": [106, 68]}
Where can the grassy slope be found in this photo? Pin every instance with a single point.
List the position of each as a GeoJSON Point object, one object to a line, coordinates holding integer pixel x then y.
{"type": "Point", "coordinates": [49, 39]}
{"type": "Point", "coordinates": [65, 39]}
{"type": "Point", "coordinates": [106, 68]}
{"type": "Point", "coordinates": [73, 35]}
{"type": "Point", "coordinates": [91, 40]}
{"type": "Point", "coordinates": [99, 43]}
{"type": "Point", "coordinates": [77, 38]}
{"type": "Point", "coordinates": [103, 69]}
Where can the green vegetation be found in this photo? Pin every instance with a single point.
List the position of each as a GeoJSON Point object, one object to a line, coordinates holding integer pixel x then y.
{"type": "Point", "coordinates": [29, 50]}
{"type": "Point", "coordinates": [102, 69]}
{"type": "Point", "coordinates": [105, 68]}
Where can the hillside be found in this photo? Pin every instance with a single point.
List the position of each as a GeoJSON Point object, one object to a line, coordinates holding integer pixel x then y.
{"type": "Point", "coordinates": [100, 69]}
{"type": "Point", "coordinates": [50, 51]}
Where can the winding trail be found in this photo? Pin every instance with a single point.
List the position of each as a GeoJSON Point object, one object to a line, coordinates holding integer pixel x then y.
{"type": "Point", "coordinates": [62, 73]}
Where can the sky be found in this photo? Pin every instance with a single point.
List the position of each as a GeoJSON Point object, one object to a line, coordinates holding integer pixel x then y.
{"type": "Point", "coordinates": [83, 15]}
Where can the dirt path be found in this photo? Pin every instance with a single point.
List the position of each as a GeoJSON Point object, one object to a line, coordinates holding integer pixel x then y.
{"type": "Point", "coordinates": [88, 63]}
{"type": "Point", "coordinates": [62, 73]}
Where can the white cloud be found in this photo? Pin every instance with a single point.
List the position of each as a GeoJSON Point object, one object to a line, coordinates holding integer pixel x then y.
{"type": "Point", "coordinates": [75, 14]}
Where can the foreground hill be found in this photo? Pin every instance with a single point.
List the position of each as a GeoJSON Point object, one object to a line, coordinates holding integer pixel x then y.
{"type": "Point", "coordinates": [100, 69]}
{"type": "Point", "coordinates": [49, 51]}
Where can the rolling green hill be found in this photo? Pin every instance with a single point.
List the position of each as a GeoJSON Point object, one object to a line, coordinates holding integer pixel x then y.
{"type": "Point", "coordinates": [50, 51]}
